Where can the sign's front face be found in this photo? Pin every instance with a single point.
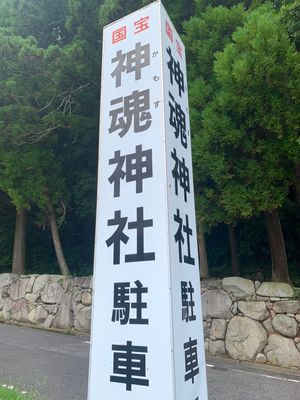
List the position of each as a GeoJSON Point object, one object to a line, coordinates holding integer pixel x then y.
{"type": "Point", "coordinates": [146, 324]}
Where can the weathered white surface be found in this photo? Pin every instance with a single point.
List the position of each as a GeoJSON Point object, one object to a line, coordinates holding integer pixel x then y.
{"type": "Point", "coordinates": [282, 351]}
{"type": "Point", "coordinates": [6, 279]}
{"type": "Point", "coordinates": [40, 283]}
{"type": "Point", "coordinates": [18, 289]}
{"type": "Point", "coordinates": [245, 338]}
{"type": "Point", "coordinates": [285, 325]}
{"type": "Point", "coordinates": [216, 304]}
{"type": "Point", "coordinates": [254, 309]}
{"type": "Point", "coordinates": [239, 287]}
{"type": "Point", "coordinates": [275, 289]}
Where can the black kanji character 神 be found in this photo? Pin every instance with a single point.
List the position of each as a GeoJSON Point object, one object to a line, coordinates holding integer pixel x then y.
{"type": "Point", "coordinates": [129, 365]}
{"type": "Point", "coordinates": [135, 106]}
{"type": "Point", "coordinates": [188, 259]}
{"type": "Point", "coordinates": [187, 301]}
{"type": "Point", "coordinates": [133, 61]}
{"type": "Point", "coordinates": [177, 120]}
{"type": "Point", "coordinates": [191, 360]}
{"type": "Point", "coordinates": [175, 72]}
{"type": "Point", "coordinates": [180, 174]}
{"type": "Point", "coordinates": [119, 236]}
{"type": "Point", "coordinates": [138, 166]}
{"type": "Point", "coordinates": [123, 304]}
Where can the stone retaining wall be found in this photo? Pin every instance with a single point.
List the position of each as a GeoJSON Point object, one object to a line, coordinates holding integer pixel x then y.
{"type": "Point", "coordinates": [247, 320]}
{"type": "Point", "coordinates": [49, 301]}
{"type": "Point", "coordinates": [252, 321]}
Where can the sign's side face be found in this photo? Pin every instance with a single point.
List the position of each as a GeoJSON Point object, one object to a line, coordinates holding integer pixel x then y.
{"type": "Point", "coordinates": [131, 351]}
{"type": "Point", "coordinates": [190, 374]}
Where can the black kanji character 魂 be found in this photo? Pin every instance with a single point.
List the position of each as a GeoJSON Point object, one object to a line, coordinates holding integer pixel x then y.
{"type": "Point", "coordinates": [177, 120]}
{"type": "Point", "coordinates": [191, 360]}
{"type": "Point", "coordinates": [136, 106]}
{"type": "Point", "coordinates": [123, 304]}
{"type": "Point", "coordinates": [187, 301]}
{"type": "Point", "coordinates": [188, 259]}
{"type": "Point", "coordinates": [129, 365]}
{"type": "Point", "coordinates": [180, 174]}
{"type": "Point", "coordinates": [133, 61]}
{"type": "Point", "coordinates": [138, 166]}
{"type": "Point", "coordinates": [175, 72]}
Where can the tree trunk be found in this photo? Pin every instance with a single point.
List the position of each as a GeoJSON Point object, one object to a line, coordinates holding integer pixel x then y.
{"type": "Point", "coordinates": [64, 269]}
{"type": "Point", "coordinates": [204, 274]}
{"type": "Point", "coordinates": [235, 263]}
{"type": "Point", "coordinates": [18, 266]}
{"type": "Point", "coordinates": [280, 271]}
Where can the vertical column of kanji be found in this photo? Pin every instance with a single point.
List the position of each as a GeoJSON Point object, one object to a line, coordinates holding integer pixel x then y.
{"type": "Point", "coordinates": [131, 272]}
{"type": "Point", "coordinates": [186, 299]}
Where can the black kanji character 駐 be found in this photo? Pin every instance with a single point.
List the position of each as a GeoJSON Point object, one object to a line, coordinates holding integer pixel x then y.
{"type": "Point", "coordinates": [187, 301]}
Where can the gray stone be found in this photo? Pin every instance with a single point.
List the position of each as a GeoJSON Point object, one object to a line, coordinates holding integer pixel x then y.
{"type": "Point", "coordinates": [65, 316]}
{"type": "Point", "coordinates": [83, 282]}
{"type": "Point", "coordinates": [18, 289]}
{"type": "Point", "coordinates": [240, 288]}
{"type": "Point", "coordinates": [261, 358]}
{"type": "Point", "coordinates": [285, 325]}
{"type": "Point", "coordinates": [297, 339]}
{"type": "Point", "coordinates": [82, 321]}
{"type": "Point", "coordinates": [257, 284]}
{"type": "Point", "coordinates": [216, 304]}
{"type": "Point", "coordinates": [214, 284]}
{"type": "Point", "coordinates": [262, 298]}
{"type": "Point", "coordinates": [291, 306]}
{"type": "Point", "coordinates": [52, 293]}
{"type": "Point", "coordinates": [38, 315]}
{"type": "Point", "coordinates": [275, 299]}
{"type": "Point", "coordinates": [206, 347]}
{"type": "Point", "coordinates": [40, 283]}
{"type": "Point", "coordinates": [32, 297]}
{"type": "Point", "coordinates": [282, 351]}
{"type": "Point", "coordinates": [268, 325]}
{"type": "Point", "coordinates": [275, 289]}
{"type": "Point", "coordinates": [218, 328]}
{"type": "Point", "coordinates": [297, 317]}
{"type": "Point", "coordinates": [245, 338]}
{"type": "Point", "coordinates": [234, 308]}
{"type": "Point", "coordinates": [254, 309]}
{"type": "Point", "coordinates": [48, 322]}
{"type": "Point", "coordinates": [6, 310]}
{"type": "Point", "coordinates": [19, 311]}
{"type": "Point", "coordinates": [217, 348]}
{"type": "Point", "coordinates": [30, 284]}
{"type": "Point", "coordinates": [6, 279]}
{"type": "Point", "coordinates": [86, 298]}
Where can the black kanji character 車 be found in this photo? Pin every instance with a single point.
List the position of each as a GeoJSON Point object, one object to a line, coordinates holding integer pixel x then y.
{"type": "Point", "coordinates": [181, 175]}
{"type": "Point", "coordinates": [124, 304]}
{"type": "Point", "coordinates": [129, 365]}
{"type": "Point", "coordinates": [177, 120]}
{"type": "Point", "coordinates": [133, 61]}
{"type": "Point", "coordinates": [134, 107]}
{"type": "Point", "coordinates": [191, 360]}
{"type": "Point", "coordinates": [138, 166]}
{"type": "Point", "coordinates": [175, 72]}
{"type": "Point", "coordinates": [187, 301]}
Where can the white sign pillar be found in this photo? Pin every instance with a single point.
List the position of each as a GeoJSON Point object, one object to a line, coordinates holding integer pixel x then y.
{"type": "Point", "coordinates": [147, 335]}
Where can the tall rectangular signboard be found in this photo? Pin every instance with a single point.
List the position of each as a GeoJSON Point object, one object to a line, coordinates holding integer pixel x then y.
{"type": "Point", "coordinates": [147, 336]}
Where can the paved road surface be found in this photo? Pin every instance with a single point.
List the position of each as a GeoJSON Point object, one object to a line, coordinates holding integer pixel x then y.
{"type": "Point", "coordinates": [55, 367]}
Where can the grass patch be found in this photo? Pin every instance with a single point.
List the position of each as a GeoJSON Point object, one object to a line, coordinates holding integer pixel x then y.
{"type": "Point", "coordinates": [12, 394]}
